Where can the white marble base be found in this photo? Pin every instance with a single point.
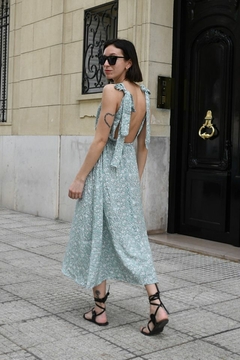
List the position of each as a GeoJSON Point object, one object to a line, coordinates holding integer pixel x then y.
{"type": "Point", "coordinates": [73, 152]}
{"type": "Point", "coordinates": [36, 171]}
{"type": "Point", "coordinates": [155, 184]}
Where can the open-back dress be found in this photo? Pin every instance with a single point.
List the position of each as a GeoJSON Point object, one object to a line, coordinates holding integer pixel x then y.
{"type": "Point", "coordinates": [108, 238]}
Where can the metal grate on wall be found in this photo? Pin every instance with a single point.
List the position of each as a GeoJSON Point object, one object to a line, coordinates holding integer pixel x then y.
{"type": "Point", "coordinates": [100, 24]}
{"type": "Point", "coordinates": [4, 37]}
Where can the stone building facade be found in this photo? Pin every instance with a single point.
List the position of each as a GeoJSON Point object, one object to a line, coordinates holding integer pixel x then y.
{"type": "Point", "coordinates": [50, 122]}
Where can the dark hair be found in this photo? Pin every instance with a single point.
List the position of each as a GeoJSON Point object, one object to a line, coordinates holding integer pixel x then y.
{"type": "Point", "coordinates": [134, 73]}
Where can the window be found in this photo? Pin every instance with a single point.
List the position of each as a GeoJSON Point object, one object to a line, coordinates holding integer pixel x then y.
{"type": "Point", "coordinates": [100, 24]}
{"type": "Point", "coordinates": [4, 35]}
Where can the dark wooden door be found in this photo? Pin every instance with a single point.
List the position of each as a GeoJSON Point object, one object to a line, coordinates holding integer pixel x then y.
{"type": "Point", "coordinates": [204, 198]}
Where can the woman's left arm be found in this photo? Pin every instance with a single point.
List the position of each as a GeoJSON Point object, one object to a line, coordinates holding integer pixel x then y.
{"type": "Point", "coordinates": [106, 118]}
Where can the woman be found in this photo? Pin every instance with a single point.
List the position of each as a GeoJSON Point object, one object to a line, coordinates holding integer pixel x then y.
{"type": "Point", "coordinates": [108, 237]}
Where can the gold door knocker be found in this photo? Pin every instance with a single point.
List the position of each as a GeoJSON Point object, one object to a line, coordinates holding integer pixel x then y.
{"type": "Point", "coordinates": [207, 124]}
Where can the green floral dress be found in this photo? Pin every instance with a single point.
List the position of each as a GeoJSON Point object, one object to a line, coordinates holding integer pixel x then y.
{"type": "Point", "coordinates": [108, 238]}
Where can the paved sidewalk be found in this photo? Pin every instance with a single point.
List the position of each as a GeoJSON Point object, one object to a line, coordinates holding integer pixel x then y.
{"type": "Point", "coordinates": [41, 310]}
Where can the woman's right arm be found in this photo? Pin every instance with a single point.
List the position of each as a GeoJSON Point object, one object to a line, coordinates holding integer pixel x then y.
{"type": "Point", "coordinates": [106, 118]}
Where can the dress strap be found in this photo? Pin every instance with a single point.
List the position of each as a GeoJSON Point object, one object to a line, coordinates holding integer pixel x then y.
{"type": "Point", "coordinates": [127, 109]}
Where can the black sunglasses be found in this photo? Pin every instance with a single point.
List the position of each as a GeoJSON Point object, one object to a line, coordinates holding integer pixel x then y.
{"type": "Point", "coordinates": [112, 59]}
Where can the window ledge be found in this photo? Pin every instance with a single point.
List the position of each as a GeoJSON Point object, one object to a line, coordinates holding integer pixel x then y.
{"type": "Point", "coordinates": [88, 97]}
{"type": "Point", "coordinates": [5, 128]}
{"type": "Point", "coordinates": [5, 124]}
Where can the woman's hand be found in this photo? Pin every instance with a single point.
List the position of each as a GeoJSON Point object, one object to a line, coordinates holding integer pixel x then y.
{"type": "Point", "coordinates": [76, 189]}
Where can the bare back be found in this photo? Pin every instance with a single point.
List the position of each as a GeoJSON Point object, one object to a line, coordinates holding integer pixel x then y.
{"type": "Point", "coordinates": [137, 117]}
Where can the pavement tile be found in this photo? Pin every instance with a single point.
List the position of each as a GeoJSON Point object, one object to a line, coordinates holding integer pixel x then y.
{"type": "Point", "coordinates": [49, 249]}
{"type": "Point", "coordinates": [117, 316]}
{"type": "Point", "coordinates": [61, 239]}
{"type": "Point", "coordinates": [229, 341]}
{"type": "Point", "coordinates": [6, 345]}
{"type": "Point", "coordinates": [121, 291]}
{"type": "Point", "coordinates": [210, 273]}
{"type": "Point", "coordinates": [84, 347]}
{"type": "Point", "coordinates": [60, 303]}
{"type": "Point", "coordinates": [131, 305]}
{"type": "Point", "coordinates": [18, 355]}
{"type": "Point", "coordinates": [45, 234]}
{"type": "Point", "coordinates": [16, 216]}
{"type": "Point", "coordinates": [6, 296]}
{"type": "Point", "coordinates": [169, 282]}
{"type": "Point", "coordinates": [25, 242]}
{"type": "Point", "coordinates": [50, 271]}
{"type": "Point", "coordinates": [39, 331]}
{"type": "Point", "coordinates": [228, 286]}
{"type": "Point", "coordinates": [201, 323]}
{"type": "Point", "coordinates": [173, 304]}
{"type": "Point", "coordinates": [231, 311]}
{"type": "Point", "coordinates": [55, 295]}
{"type": "Point", "coordinates": [24, 259]}
{"type": "Point", "coordinates": [200, 296]}
{"type": "Point", "coordinates": [5, 247]}
{"type": "Point", "coordinates": [13, 225]}
{"type": "Point", "coordinates": [168, 253]}
{"type": "Point", "coordinates": [64, 231]}
{"type": "Point", "coordinates": [36, 231]}
{"type": "Point", "coordinates": [51, 338]}
{"type": "Point", "coordinates": [130, 337]}
{"type": "Point", "coordinates": [14, 253]}
{"type": "Point", "coordinates": [4, 232]}
{"type": "Point", "coordinates": [15, 277]}
{"type": "Point", "coordinates": [41, 309]}
{"type": "Point", "coordinates": [39, 221]}
{"type": "Point", "coordinates": [58, 257]}
{"type": "Point", "coordinates": [4, 268]}
{"type": "Point", "coordinates": [4, 221]}
{"type": "Point", "coordinates": [19, 310]}
{"type": "Point", "coordinates": [197, 350]}
{"type": "Point", "coordinates": [186, 263]}
{"type": "Point", "coordinates": [59, 226]}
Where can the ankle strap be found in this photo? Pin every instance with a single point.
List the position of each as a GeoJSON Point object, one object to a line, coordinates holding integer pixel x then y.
{"type": "Point", "coordinates": [155, 296]}
{"type": "Point", "coordinates": [104, 299]}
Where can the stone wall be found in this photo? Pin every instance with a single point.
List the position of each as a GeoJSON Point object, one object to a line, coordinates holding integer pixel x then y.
{"type": "Point", "coordinates": [50, 123]}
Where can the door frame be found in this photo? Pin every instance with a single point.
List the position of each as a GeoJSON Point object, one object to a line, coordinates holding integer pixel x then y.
{"type": "Point", "coordinates": [176, 121]}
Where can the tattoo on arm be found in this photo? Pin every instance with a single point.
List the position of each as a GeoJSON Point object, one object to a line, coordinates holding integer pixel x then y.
{"type": "Point", "coordinates": [105, 119]}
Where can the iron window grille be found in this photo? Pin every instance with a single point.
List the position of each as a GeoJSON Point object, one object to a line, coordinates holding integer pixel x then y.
{"type": "Point", "coordinates": [4, 39]}
{"type": "Point", "coordinates": [100, 24]}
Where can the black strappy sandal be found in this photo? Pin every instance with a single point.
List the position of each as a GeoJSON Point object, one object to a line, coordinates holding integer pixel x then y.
{"type": "Point", "coordinates": [158, 326]}
{"type": "Point", "coordinates": [94, 314]}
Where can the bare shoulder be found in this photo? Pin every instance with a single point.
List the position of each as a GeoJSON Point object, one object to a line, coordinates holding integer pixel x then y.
{"type": "Point", "coordinates": [109, 89]}
{"type": "Point", "coordinates": [110, 93]}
